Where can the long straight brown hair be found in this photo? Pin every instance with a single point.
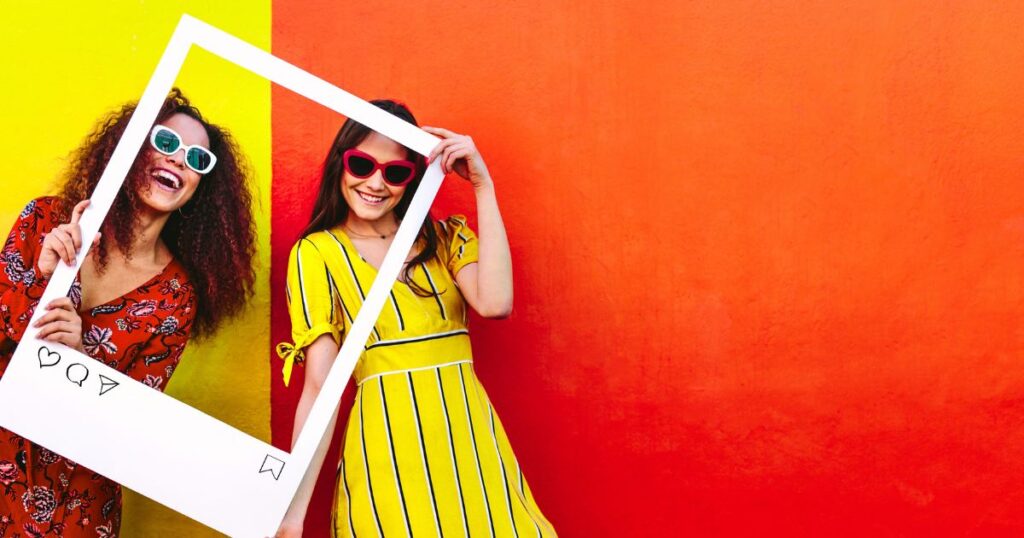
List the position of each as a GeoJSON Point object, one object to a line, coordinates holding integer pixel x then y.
{"type": "Point", "coordinates": [331, 209]}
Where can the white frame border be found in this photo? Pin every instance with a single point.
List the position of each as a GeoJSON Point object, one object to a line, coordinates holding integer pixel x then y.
{"type": "Point", "coordinates": [189, 461]}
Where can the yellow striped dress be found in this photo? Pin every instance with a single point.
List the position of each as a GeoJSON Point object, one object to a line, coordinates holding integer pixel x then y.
{"type": "Point", "coordinates": [424, 453]}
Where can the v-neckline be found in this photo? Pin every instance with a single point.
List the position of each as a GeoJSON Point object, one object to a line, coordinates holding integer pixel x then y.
{"type": "Point", "coordinates": [347, 242]}
{"type": "Point", "coordinates": [78, 278]}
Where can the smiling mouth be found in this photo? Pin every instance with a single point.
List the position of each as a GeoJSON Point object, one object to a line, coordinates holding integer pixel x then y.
{"type": "Point", "coordinates": [167, 179]}
{"type": "Point", "coordinates": [370, 199]}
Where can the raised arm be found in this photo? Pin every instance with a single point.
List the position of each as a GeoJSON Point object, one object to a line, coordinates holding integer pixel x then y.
{"type": "Point", "coordinates": [487, 284]}
{"type": "Point", "coordinates": [30, 255]}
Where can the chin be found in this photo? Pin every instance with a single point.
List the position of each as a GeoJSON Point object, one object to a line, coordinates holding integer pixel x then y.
{"type": "Point", "coordinates": [161, 206]}
{"type": "Point", "coordinates": [370, 216]}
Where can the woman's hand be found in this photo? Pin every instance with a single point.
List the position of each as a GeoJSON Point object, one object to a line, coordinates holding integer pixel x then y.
{"type": "Point", "coordinates": [458, 154]}
{"type": "Point", "coordinates": [61, 324]}
{"type": "Point", "coordinates": [63, 243]}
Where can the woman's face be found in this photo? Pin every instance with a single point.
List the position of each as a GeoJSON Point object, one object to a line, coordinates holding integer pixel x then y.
{"type": "Point", "coordinates": [171, 184]}
{"type": "Point", "coordinates": [372, 198]}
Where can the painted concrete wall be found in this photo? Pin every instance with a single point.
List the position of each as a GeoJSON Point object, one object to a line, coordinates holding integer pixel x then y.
{"type": "Point", "coordinates": [768, 256]}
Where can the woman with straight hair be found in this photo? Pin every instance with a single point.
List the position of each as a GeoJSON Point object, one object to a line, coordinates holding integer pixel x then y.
{"type": "Point", "coordinates": [424, 453]}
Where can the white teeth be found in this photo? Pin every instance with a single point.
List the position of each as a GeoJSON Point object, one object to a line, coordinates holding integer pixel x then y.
{"type": "Point", "coordinates": [371, 199]}
{"type": "Point", "coordinates": [174, 181]}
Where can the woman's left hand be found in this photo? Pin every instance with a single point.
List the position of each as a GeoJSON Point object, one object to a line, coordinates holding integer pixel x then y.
{"type": "Point", "coordinates": [458, 154]}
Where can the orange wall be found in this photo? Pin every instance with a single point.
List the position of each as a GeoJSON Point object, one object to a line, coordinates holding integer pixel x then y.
{"type": "Point", "coordinates": [768, 256]}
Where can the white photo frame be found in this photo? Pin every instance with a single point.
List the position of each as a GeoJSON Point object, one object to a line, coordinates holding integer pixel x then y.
{"type": "Point", "coordinates": [209, 470]}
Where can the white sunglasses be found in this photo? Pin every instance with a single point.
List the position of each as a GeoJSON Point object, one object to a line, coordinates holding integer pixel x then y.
{"type": "Point", "coordinates": [168, 142]}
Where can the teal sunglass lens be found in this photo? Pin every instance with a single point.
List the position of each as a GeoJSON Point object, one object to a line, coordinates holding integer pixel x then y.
{"type": "Point", "coordinates": [198, 159]}
{"type": "Point", "coordinates": [166, 141]}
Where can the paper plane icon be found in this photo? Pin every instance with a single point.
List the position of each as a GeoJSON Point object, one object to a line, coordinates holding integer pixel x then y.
{"type": "Point", "coordinates": [107, 384]}
{"type": "Point", "coordinates": [273, 466]}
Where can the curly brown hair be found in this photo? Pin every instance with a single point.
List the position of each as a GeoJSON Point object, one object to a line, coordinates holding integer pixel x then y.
{"type": "Point", "coordinates": [213, 235]}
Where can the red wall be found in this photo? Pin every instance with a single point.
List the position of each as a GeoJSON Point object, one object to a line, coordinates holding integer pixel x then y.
{"type": "Point", "coordinates": [768, 256]}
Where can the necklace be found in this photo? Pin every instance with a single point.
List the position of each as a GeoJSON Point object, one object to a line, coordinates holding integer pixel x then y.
{"type": "Point", "coordinates": [365, 236]}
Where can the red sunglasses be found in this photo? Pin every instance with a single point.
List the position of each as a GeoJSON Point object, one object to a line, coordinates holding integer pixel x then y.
{"type": "Point", "coordinates": [363, 165]}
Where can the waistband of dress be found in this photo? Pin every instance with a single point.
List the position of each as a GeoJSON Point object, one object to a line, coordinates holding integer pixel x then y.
{"type": "Point", "coordinates": [404, 355]}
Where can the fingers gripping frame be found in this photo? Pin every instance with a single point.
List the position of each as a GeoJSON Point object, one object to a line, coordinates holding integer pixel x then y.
{"type": "Point", "coordinates": [209, 471]}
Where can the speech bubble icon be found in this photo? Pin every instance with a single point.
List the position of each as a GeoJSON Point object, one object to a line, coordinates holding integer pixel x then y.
{"type": "Point", "coordinates": [47, 358]}
{"type": "Point", "coordinates": [77, 373]}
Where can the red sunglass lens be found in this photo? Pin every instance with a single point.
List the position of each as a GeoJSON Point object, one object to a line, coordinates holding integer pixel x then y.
{"type": "Point", "coordinates": [359, 166]}
{"type": "Point", "coordinates": [397, 173]}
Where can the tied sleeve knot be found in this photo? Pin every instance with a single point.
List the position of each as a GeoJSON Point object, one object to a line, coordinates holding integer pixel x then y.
{"type": "Point", "coordinates": [293, 353]}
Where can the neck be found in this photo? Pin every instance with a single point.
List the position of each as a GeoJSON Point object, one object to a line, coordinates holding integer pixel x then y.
{"type": "Point", "coordinates": [147, 246]}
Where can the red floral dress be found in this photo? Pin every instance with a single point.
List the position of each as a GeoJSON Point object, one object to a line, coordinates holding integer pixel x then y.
{"type": "Point", "coordinates": [141, 333]}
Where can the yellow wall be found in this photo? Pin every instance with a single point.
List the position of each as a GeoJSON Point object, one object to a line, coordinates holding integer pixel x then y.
{"type": "Point", "coordinates": [67, 63]}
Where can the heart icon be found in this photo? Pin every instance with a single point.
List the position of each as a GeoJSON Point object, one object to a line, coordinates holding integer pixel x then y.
{"type": "Point", "coordinates": [47, 357]}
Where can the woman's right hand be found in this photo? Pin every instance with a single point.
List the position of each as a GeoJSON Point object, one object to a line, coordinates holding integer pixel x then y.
{"type": "Point", "coordinates": [63, 243]}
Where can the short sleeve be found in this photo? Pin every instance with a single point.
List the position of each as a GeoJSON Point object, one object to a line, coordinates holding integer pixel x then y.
{"type": "Point", "coordinates": [21, 285]}
{"type": "Point", "coordinates": [461, 243]}
{"type": "Point", "coordinates": [313, 306]}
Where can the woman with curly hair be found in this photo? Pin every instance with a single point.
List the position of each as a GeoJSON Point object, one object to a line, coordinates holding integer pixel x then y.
{"type": "Point", "coordinates": [172, 261]}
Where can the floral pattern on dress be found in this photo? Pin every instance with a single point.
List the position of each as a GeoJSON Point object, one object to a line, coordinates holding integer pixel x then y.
{"type": "Point", "coordinates": [141, 334]}
{"type": "Point", "coordinates": [97, 342]}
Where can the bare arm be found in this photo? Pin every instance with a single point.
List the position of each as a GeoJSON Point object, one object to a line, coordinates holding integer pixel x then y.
{"type": "Point", "coordinates": [320, 356]}
{"type": "Point", "coordinates": [487, 284]}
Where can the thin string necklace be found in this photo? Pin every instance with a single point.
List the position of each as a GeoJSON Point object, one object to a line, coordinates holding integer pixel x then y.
{"type": "Point", "coordinates": [365, 236]}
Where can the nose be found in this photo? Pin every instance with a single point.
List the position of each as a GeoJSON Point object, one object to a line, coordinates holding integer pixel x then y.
{"type": "Point", "coordinates": [177, 158]}
{"type": "Point", "coordinates": [376, 180]}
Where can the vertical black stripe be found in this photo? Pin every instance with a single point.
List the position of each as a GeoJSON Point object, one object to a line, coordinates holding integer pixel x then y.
{"type": "Point", "coordinates": [398, 312]}
{"type": "Point", "coordinates": [433, 288]}
{"type": "Point", "coordinates": [451, 448]}
{"type": "Point", "coordinates": [366, 466]}
{"type": "Point", "coordinates": [302, 288]}
{"type": "Point", "coordinates": [394, 462]}
{"type": "Point", "coordinates": [351, 268]}
{"type": "Point", "coordinates": [348, 497]}
{"type": "Point", "coordinates": [476, 452]}
{"type": "Point", "coordinates": [337, 293]}
{"type": "Point", "coordinates": [355, 278]}
{"type": "Point", "coordinates": [526, 501]}
{"type": "Point", "coordinates": [344, 308]}
{"type": "Point", "coordinates": [423, 451]}
{"type": "Point", "coordinates": [330, 289]}
{"type": "Point", "coordinates": [504, 478]}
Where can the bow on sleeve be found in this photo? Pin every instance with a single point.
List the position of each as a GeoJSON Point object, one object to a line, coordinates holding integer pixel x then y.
{"type": "Point", "coordinates": [292, 353]}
